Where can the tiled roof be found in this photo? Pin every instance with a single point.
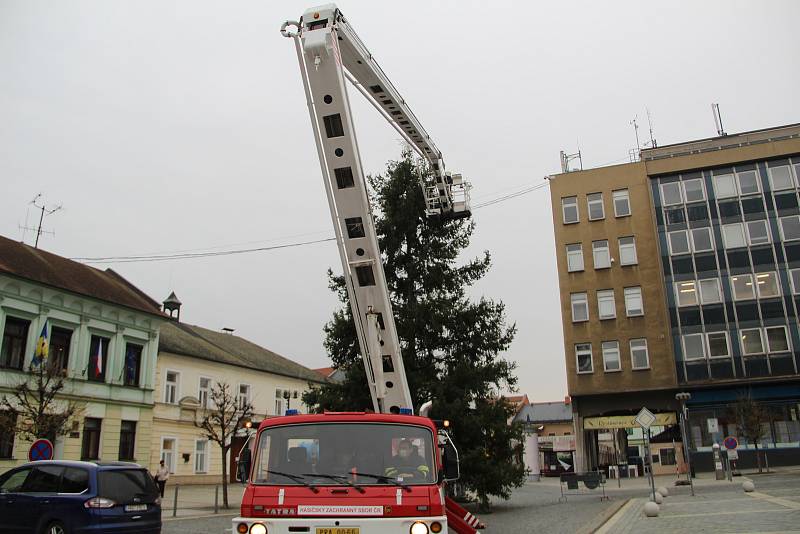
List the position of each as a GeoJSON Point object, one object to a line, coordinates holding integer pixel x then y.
{"type": "Point", "coordinates": [325, 371]}
{"type": "Point", "coordinates": [542, 412]}
{"type": "Point", "coordinates": [23, 261]}
{"type": "Point", "coordinates": [198, 342]}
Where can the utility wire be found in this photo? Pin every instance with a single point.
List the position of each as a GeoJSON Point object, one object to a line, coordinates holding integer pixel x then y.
{"type": "Point", "coordinates": [181, 255]}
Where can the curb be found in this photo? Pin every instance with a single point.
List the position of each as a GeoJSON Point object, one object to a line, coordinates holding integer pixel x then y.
{"type": "Point", "coordinates": [603, 517]}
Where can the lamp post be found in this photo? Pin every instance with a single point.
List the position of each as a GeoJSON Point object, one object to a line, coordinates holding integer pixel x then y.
{"type": "Point", "coordinates": [682, 397]}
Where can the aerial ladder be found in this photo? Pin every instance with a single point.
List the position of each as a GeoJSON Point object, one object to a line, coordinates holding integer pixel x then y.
{"type": "Point", "coordinates": [330, 55]}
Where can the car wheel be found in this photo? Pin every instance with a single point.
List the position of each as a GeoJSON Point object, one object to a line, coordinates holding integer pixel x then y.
{"type": "Point", "coordinates": [55, 527]}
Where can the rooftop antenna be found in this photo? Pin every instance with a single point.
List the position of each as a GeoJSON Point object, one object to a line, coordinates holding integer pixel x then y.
{"type": "Point", "coordinates": [567, 158]}
{"type": "Point", "coordinates": [44, 211]}
{"type": "Point", "coordinates": [635, 154]}
{"type": "Point", "coordinates": [718, 120]}
{"type": "Point", "coordinates": [653, 143]}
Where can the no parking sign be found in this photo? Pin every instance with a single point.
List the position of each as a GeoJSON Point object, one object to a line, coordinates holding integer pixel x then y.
{"type": "Point", "coordinates": [42, 449]}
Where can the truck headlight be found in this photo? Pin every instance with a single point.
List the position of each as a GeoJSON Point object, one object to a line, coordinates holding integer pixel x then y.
{"type": "Point", "coordinates": [419, 528]}
{"type": "Point", "coordinates": [258, 528]}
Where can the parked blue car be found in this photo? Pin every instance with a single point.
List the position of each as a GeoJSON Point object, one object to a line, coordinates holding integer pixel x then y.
{"type": "Point", "coordinates": [63, 497]}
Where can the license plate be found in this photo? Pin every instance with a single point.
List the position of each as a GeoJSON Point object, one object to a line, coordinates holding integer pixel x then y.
{"type": "Point", "coordinates": [135, 507]}
{"type": "Point", "coordinates": [337, 530]}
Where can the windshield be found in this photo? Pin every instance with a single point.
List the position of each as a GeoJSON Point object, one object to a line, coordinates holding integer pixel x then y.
{"type": "Point", "coordinates": [345, 454]}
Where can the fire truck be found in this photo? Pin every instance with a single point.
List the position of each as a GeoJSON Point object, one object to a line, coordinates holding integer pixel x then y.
{"type": "Point", "coordinates": [378, 471]}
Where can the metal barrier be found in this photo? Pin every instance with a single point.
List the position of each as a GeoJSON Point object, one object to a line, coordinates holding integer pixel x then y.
{"type": "Point", "coordinates": [571, 484]}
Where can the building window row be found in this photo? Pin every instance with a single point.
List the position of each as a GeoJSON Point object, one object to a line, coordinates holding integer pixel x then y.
{"type": "Point", "coordinates": [595, 207]}
{"type": "Point", "coordinates": [739, 235]}
{"type": "Point", "coordinates": [688, 241]}
{"type": "Point", "coordinates": [601, 254]}
{"type": "Point", "coordinates": [686, 191]}
{"type": "Point", "coordinates": [753, 341]}
{"type": "Point", "coordinates": [743, 287]}
{"type": "Point", "coordinates": [606, 304]}
{"type": "Point", "coordinates": [15, 345]}
{"type": "Point", "coordinates": [610, 351]}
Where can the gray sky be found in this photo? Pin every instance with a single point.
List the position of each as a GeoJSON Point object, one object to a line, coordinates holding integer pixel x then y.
{"type": "Point", "coordinates": [166, 126]}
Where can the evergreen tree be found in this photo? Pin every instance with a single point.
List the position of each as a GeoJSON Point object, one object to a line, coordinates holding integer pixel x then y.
{"type": "Point", "coordinates": [451, 345]}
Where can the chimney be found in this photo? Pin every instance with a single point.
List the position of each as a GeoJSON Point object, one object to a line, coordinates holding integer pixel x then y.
{"type": "Point", "coordinates": [173, 306]}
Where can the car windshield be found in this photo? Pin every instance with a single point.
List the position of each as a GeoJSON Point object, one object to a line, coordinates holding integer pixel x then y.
{"type": "Point", "coordinates": [125, 486]}
{"type": "Point", "coordinates": [345, 454]}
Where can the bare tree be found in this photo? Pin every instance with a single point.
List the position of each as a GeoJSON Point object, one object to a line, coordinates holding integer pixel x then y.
{"type": "Point", "coordinates": [750, 416]}
{"type": "Point", "coordinates": [32, 409]}
{"type": "Point", "coordinates": [225, 415]}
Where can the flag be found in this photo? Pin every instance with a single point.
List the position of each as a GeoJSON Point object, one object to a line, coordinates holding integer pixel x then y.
{"type": "Point", "coordinates": [42, 347]}
{"type": "Point", "coordinates": [98, 359]}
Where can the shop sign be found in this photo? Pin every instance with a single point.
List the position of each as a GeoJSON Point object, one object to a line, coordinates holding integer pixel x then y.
{"type": "Point", "coordinates": [626, 421]}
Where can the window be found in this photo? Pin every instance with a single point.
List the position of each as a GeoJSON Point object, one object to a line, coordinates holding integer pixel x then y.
{"type": "Point", "coordinates": [718, 345]}
{"type": "Point", "coordinates": [606, 306]}
{"type": "Point", "coordinates": [168, 448]}
{"type": "Point", "coordinates": [794, 276]}
{"type": "Point", "coordinates": [686, 293]}
{"type": "Point", "coordinates": [611, 356]}
{"type": "Point", "coordinates": [743, 287]}
{"type": "Point", "coordinates": [127, 440]}
{"type": "Point", "coordinates": [667, 456]}
{"type": "Point", "coordinates": [627, 251]}
{"type": "Point", "coordinates": [748, 182]}
{"type": "Point", "coordinates": [595, 204]}
{"type": "Point", "coordinates": [344, 177]}
{"type": "Point", "coordinates": [9, 420]}
{"type": "Point", "coordinates": [58, 355]}
{"type": "Point", "coordinates": [14, 482]}
{"type": "Point", "coordinates": [693, 347]}
{"type": "Point", "coordinates": [15, 339]}
{"type": "Point", "coordinates": [781, 178]}
{"type": "Point", "coordinates": [622, 203]}
{"type": "Point", "coordinates": [90, 448]}
{"type": "Point", "coordinates": [710, 291]}
{"type": "Point", "coordinates": [790, 228]}
{"type": "Point", "coordinates": [574, 257]}
{"type": "Point", "coordinates": [569, 209]}
{"type": "Point", "coordinates": [74, 480]}
{"type": "Point", "coordinates": [583, 355]}
{"type": "Point", "coordinates": [639, 357]}
{"type": "Point", "coordinates": [98, 358]}
{"type": "Point", "coordinates": [758, 232]}
{"type": "Point", "coordinates": [693, 190]}
{"type": "Point", "coordinates": [133, 363]}
{"type": "Point", "coordinates": [601, 255]}
{"type": "Point", "coordinates": [671, 194]}
{"type": "Point", "coordinates": [725, 186]}
{"type": "Point", "coordinates": [200, 456]}
{"type": "Point", "coordinates": [205, 390]}
{"type": "Point", "coordinates": [580, 307]}
{"type": "Point", "coordinates": [701, 240]}
{"type": "Point", "coordinates": [752, 342]}
{"type": "Point", "coordinates": [243, 398]}
{"type": "Point", "coordinates": [43, 479]}
{"type": "Point", "coordinates": [733, 235]}
{"type": "Point", "coordinates": [767, 284]}
{"type": "Point", "coordinates": [776, 339]}
{"type": "Point", "coordinates": [355, 227]}
{"type": "Point", "coordinates": [679, 242]}
{"type": "Point", "coordinates": [279, 409]}
{"type": "Point", "coordinates": [633, 301]}
{"type": "Point", "coordinates": [171, 387]}
{"type": "Point", "coordinates": [365, 275]}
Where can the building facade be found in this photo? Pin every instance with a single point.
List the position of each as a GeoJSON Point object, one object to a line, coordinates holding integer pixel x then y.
{"type": "Point", "coordinates": [191, 361]}
{"type": "Point", "coordinates": [709, 232]}
{"type": "Point", "coordinates": [103, 339]}
{"type": "Point", "coordinates": [551, 426]}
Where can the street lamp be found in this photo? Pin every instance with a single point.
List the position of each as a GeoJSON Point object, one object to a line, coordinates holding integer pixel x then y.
{"type": "Point", "coordinates": [682, 397]}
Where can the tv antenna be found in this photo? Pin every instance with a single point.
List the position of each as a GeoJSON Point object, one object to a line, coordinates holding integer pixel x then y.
{"type": "Point", "coordinates": [567, 158]}
{"type": "Point", "coordinates": [653, 143]}
{"type": "Point", "coordinates": [40, 205]}
{"type": "Point", "coordinates": [718, 120]}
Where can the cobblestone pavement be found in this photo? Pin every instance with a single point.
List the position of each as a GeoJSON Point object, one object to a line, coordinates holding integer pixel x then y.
{"type": "Point", "coordinates": [722, 507]}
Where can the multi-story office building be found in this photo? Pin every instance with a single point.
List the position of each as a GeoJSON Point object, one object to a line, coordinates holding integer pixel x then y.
{"type": "Point", "coordinates": [679, 272]}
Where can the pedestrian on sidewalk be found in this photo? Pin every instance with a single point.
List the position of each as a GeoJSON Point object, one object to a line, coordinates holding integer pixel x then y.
{"type": "Point", "coordinates": [161, 476]}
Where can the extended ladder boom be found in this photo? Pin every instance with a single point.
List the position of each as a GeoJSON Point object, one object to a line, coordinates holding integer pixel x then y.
{"type": "Point", "coordinates": [330, 53]}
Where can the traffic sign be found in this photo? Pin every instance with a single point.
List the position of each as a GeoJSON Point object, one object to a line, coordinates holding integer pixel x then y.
{"type": "Point", "coordinates": [42, 449]}
{"type": "Point", "coordinates": [645, 418]}
{"type": "Point", "coordinates": [731, 443]}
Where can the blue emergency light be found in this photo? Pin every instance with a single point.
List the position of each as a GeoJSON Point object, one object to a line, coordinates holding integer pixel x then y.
{"type": "Point", "coordinates": [406, 411]}
{"type": "Point", "coordinates": [291, 412]}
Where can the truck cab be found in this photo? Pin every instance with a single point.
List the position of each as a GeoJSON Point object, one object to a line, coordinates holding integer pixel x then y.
{"type": "Point", "coordinates": [347, 473]}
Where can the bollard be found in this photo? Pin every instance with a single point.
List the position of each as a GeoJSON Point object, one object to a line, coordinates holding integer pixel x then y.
{"type": "Point", "coordinates": [216, 499]}
{"type": "Point", "coordinates": [175, 502]}
{"type": "Point", "coordinates": [651, 509]}
{"type": "Point", "coordinates": [659, 498]}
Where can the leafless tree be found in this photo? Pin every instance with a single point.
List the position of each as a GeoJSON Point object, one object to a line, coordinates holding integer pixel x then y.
{"type": "Point", "coordinates": [750, 417]}
{"type": "Point", "coordinates": [225, 415]}
{"type": "Point", "coordinates": [36, 407]}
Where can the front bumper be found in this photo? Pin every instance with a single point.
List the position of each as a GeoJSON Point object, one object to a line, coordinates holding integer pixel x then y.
{"type": "Point", "coordinates": [366, 525]}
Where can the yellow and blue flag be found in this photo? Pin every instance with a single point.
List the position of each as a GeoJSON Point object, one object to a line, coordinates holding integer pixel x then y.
{"type": "Point", "coordinates": [42, 347]}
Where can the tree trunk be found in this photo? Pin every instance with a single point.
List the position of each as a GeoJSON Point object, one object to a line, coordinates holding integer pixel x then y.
{"type": "Point", "coordinates": [758, 458]}
{"type": "Point", "coordinates": [224, 477]}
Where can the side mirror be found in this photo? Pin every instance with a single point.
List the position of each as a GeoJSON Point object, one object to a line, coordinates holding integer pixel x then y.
{"type": "Point", "coordinates": [451, 470]}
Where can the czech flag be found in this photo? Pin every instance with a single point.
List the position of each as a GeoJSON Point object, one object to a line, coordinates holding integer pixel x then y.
{"type": "Point", "coordinates": [42, 347]}
{"type": "Point", "coordinates": [98, 359]}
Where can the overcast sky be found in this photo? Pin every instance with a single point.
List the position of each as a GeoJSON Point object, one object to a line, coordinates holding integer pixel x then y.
{"type": "Point", "coordinates": [170, 126]}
